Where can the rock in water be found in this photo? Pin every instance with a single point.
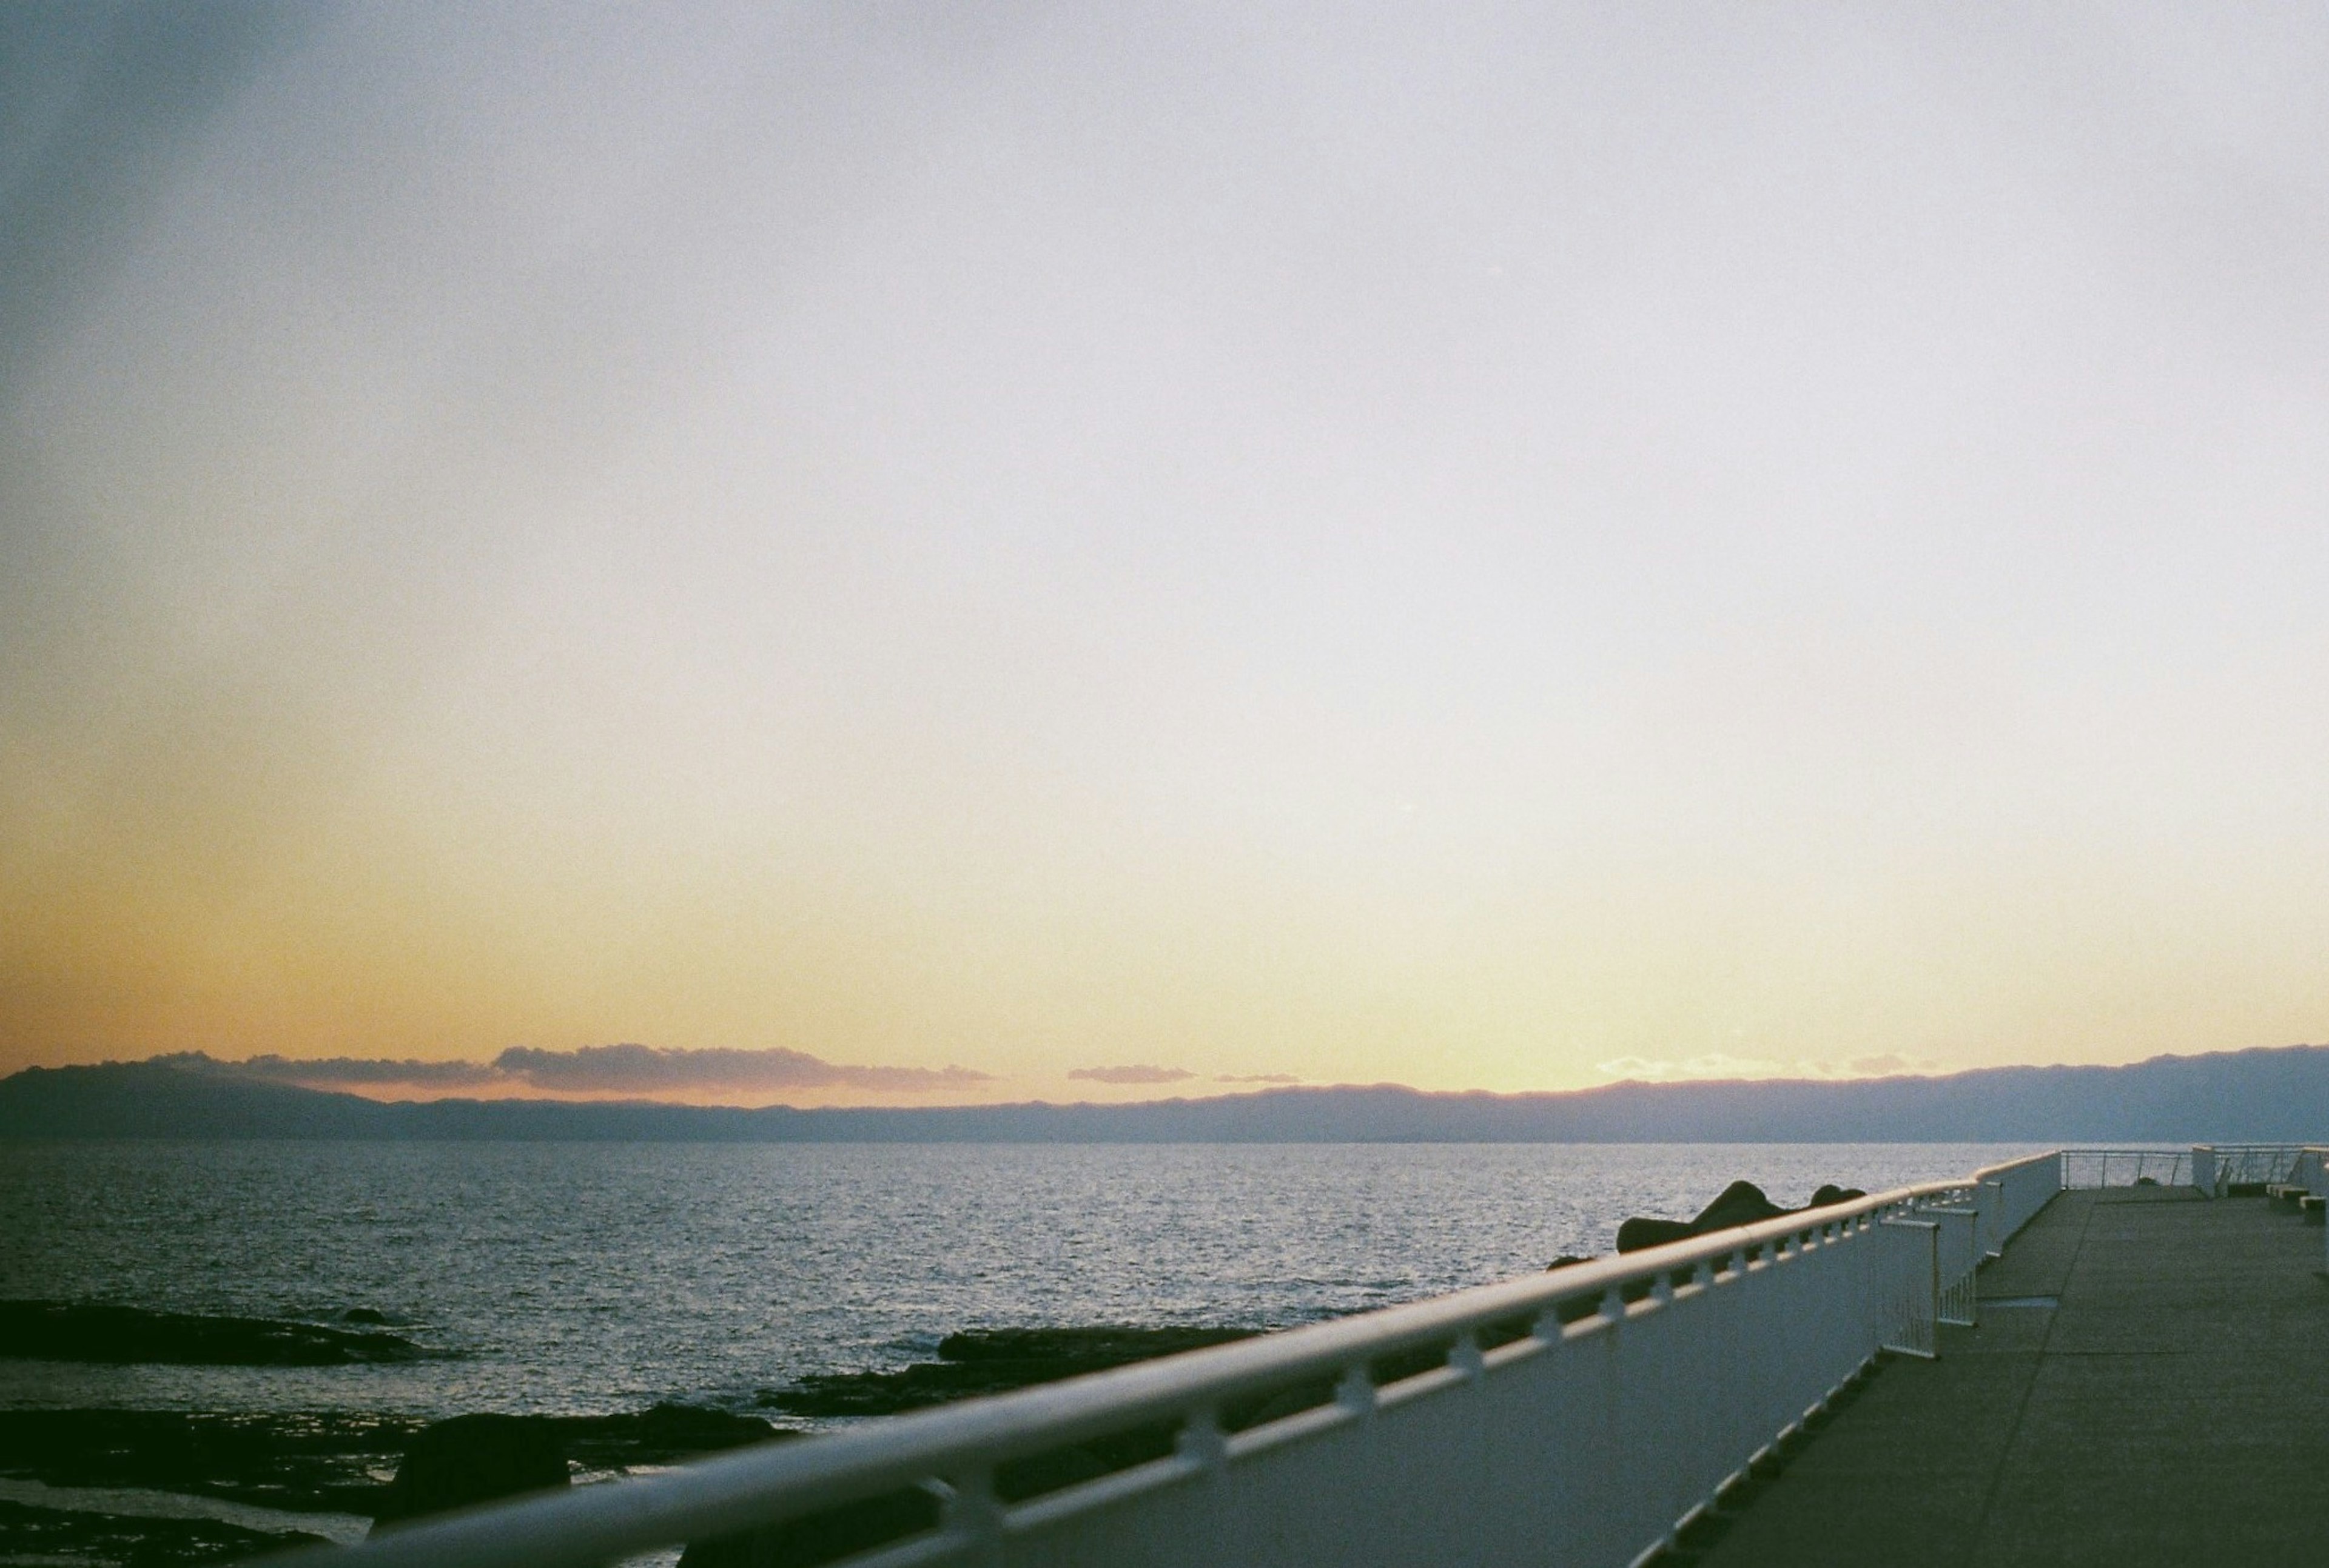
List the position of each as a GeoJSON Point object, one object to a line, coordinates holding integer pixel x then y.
{"type": "Point", "coordinates": [1741, 1202]}
{"type": "Point", "coordinates": [131, 1336]}
{"type": "Point", "coordinates": [471, 1459]}
{"type": "Point", "coordinates": [1639, 1233]}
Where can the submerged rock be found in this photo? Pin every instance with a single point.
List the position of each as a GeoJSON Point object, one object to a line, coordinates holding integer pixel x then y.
{"type": "Point", "coordinates": [131, 1336]}
{"type": "Point", "coordinates": [1741, 1202]}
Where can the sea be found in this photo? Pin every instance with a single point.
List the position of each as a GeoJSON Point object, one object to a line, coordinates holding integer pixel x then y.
{"type": "Point", "coordinates": [590, 1278]}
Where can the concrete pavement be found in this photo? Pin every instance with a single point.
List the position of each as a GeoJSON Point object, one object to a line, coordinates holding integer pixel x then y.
{"type": "Point", "coordinates": [2149, 1383]}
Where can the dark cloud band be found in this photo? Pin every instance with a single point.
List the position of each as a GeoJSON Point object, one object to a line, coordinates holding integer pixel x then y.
{"type": "Point", "coordinates": [1133, 1075]}
{"type": "Point", "coordinates": [642, 1068]}
{"type": "Point", "coordinates": [601, 1069]}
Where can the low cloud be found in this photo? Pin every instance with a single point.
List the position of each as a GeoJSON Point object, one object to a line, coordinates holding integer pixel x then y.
{"type": "Point", "coordinates": [371, 1070]}
{"type": "Point", "coordinates": [1133, 1075]}
{"type": "Point", "coordinates": [376, 1071]}
{"type": "Point", "coordinates": [1891, 1064]}
{"type": "Point", "coordinates": [595, 1069]}
{"type": "Point", "coordinates": [1721, 1065]}
{"type": "Point", "coordinates": [646, 1069]}
{"type": "Point", "coordinates": [1256, 1078]}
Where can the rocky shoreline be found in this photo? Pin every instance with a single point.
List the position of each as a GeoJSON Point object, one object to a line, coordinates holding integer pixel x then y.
{"type": "Point", "coordinates": [160, 1489]}
{"type": "Point", "coordinates": [178, 1469]}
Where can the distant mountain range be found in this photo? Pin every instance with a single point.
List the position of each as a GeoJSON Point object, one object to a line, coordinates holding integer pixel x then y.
{"type": "Point", "coordinates": [2265, 1095]}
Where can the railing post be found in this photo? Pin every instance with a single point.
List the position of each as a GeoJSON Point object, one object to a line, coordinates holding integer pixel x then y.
{"type": "Point", "coordinates": [1464, 1356]}
{"type": "Point", "coordinates": [1202, 1441]}
{"type": "Point", "coordinates": [973, 1514]}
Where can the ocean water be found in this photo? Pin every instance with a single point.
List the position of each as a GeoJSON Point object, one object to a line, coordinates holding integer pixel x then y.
{"type": "Point", "coordinates": [583, 1277]}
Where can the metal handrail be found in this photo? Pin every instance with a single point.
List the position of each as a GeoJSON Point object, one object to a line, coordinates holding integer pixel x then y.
{"type": "Point", "coordinates": [2131, 1167]}
{"type": "Point", "coordinates": [954, 1450]}
{"type": "Point", "coordinates": [2218, 1166]}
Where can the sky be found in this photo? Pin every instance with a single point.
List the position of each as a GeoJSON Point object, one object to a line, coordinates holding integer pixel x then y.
{"type": "Point", "coordinates": [891, 553]}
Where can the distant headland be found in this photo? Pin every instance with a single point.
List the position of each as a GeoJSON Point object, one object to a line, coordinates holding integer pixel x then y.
{"type": "Point", "coordinates": [2261, 1095]}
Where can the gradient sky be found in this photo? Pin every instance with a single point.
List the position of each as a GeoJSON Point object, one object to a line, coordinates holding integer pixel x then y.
{"type": "Point", "coordinates": [1481, 545]}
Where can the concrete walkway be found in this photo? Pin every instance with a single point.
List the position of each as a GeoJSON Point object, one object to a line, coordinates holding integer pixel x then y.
{"type": "Point", "coordinates": [2149, 1385]}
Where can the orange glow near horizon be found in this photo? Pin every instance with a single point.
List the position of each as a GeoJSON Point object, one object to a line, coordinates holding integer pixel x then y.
{"type": "Point", "coordinates": [1130, 545]}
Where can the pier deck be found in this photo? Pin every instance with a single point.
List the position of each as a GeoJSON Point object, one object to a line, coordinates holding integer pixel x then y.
{"type": "Point", "coordinates": [2171, 1406]}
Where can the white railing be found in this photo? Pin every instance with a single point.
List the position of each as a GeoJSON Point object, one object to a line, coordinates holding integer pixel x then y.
{"type": "Point", "coordinates": [2216, 1168]}
{"type": "Point", "coordinates": [2084, 1169]}
{"type": "Point", "coordinates": [2310, 1171]}
{"type": "Point", "coordinates": [1578, 1417]}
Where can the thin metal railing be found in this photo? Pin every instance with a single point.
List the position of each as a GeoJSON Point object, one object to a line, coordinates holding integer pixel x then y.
{"type": "Point", "coordinates": [2085, 1169]}
{"type": "Point", "coordinates": [1575, 1417]}
{"type": "Point", "coordinates": [2216, 1168]}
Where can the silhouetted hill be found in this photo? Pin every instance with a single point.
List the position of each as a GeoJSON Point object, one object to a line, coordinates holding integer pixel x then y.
{"type": "Point", "coordinates": [2273, 1094]}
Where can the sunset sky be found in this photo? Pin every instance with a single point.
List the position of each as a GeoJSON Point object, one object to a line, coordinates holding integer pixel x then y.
{"type": "Point", "coordinates": [927, 550]}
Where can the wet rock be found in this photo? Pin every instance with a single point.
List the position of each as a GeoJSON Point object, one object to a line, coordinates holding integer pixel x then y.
{"type": "Point", "coordinates": [131, 1336]}
{"type": "Point", "coordinates": [471, 1459]}
{"type": "Point", "coordinates": [308, 1461]}
{"type": "Point", "coordinates": [314, 1462]}
{"type": "Point", "coordinates": [976, 1362]}
{"type": "Point", "coordinates": [658, 1435]}
{"type": "Point", "coordinates": [989, 1361]}
{"type": "Point", "coordinates": [1565, 1260]}
{"type": "Point", "coordinates": [63, 1536]}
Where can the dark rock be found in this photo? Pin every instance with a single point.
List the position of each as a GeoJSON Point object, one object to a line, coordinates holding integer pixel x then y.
{"type": "Point", "coordinates": [989, 1361]}
{"type": "Point", "coordinates": [658, 1435]}
{"type": "Point", "coordinates": [65, 1536]}
{"type": "Point", "coordinates": [1741, 1202]}
{"type": "Point", "coordinates": [320, 1463]}
{"type": "Point", "coordinates": [363, 1315]}
{"type": "Point", "coordinates": [471, 1459]}
{"type": "Point", "coordinates": [981, 1361]}
{"type": "Point", "coordinates": [316, 1461]}
{"type": "Point", "coordinates": [1638, 1234]}
{"type": "Point", "coordinates": [129, 1335]}
{"type": "Point", "coordinates": [1565, 1260]}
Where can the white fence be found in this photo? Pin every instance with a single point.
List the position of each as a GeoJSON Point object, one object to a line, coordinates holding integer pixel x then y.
{"type": "Point", "coordinates": [2216, 1168]}
{"type": "Point", "coordinates": [1575, 1418]}
{"type": "Point", "coordinates": [2092, 1167]}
